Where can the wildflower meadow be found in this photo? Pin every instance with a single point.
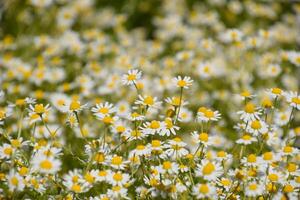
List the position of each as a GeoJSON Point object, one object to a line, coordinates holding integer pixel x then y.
{"type": "Point", "coordinates": [149, 99]}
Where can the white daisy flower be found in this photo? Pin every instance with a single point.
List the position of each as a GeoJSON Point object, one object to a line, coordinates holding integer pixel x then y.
{"type": "Point", "coordinates": [148, 101]}
{"type": "Point", "coordinates": [103, 109]}
{"type": "Point", "coordinates": [293, 99]}
{"type": "Point", "coordinates": [209, 170]}
{"type": "Point", "coordinates": [118, 178]}
{"type": "Point", "coordinates": [257, 127]}
{"type": "Point", "coordinates": [254, 189]}
{"type": "Point", "coordinates": [131, 77]}
{"type": "Point", "coordinates": [184, 82]}
{"type": "Point", "coordinates": [45, 164]}
{"type": "Point", "coordinates": [204, 190]}
{"type": "Point", "coordinates": [15, 181]}
{"type": "Point", "coordinates": [250, 112]}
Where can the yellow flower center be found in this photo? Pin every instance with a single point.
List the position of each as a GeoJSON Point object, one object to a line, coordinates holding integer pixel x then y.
{"type": "Point", "coordinates": [75, 105]}
{"type": "Point", "coordinates": [225, 182]}
{"type": "Point", "coordinates": [76, 188]}
{"type": "Point", "coordinates": [250, 108]}
{"type": "Point", "coordinates": [99, 157]}
{"type": "Point", "coordinates": [181, 83]}
{"type": "Point", "coordinates": [89, 178]}
{"type": "Point", "coordinates": [287, 149]}
{"type": "Point", "coordinates": [149, 100]}
{"type": "Point", "coordinates": [2, 114]}
{"type": "Point", "coordinates": [118, 177]}
{"type": "Point", "coordinates": [15, 143]}
{"type": "Point", "coordinates": [8, 151]}
{"type": "Point", "coordinates": [46, 164]}
{"type": "Point", "coordinates": [116, 188]}
{"type": "Point", "coordinates": [203, 188]}
{"type": "Point", "coordinates": [135, 114]}
{"type": "Point", "coordinates": [75, 179]}
{"type": "Point", "coordinates": [256, 124]}
{"type": "Point", "coordinates": [39, 108]}
{"type": "Point", "coordinates": [20, 102]}
{"type": "Point", "coordinates": [253, 186]}
{"type": "Point", "coordinates": [251, 158]}
{"type": "Point", "coordinates": [117, 160]}
{"type": "Point", "coordinates": [102, 173]}
{"type": "Point", "coordinates": [14, 180]}
{"type": "Point", "coordinates": [203, 137]}
{"type": "Point", "coordinates": [246, 137]}
{"type": "Point", "coordinates": [135, 133]}
{"type": "Point", "coordinates": [140, 147]}
{"type": "Point", "coordinates": [176, 101]}
{"type": "Point", "coordinates": [131, 77]}
{"type": "Point", "coordinates": [107, 119]}
{"type": "Point", "coordinates": [177, 139]}
{"type": "Point", "coordinates": [268, 156]}
{"type": "Point", "coordinates": [208, 168]}
{"type": "Point", "coordinates": [276, 91]}
{"type": "Point", "coordinates": [103, 110]}
{"type": "Point", "coordinates": [288, 188]}
{"type": "Point", "coordinates": [291, 167]}
{"type": "Point", "coordinates": [23, 171]}
{"type": "Point", "coordinates": [246, 94]}
{"type": "Point", "coordinates": [169, 123]}
{"type": "Point", "coordinates": [273, 177]}
{"type": "Point", "coordinates": [155, 143]}
{"type": "Point", "coordinates": [154, 124]}
{"type": "Point", "coordinates": [120, 129]}
{"type": "Point", "coordinates": [221, 154]}
{"type": "Point", "coordinates": [167, 165]}
{"type": "Point", "coordinates": [296, 100]}
{"type": "Point", "coordinates": [209, 114]}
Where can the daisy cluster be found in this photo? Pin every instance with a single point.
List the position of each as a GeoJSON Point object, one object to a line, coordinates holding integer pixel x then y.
{"type": "Point", "coordinates": [167, 99]}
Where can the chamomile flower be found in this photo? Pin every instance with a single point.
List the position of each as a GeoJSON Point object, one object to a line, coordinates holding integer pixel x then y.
{"type": "Point", "coordinates": [183, 82]}
{"type": "Point", "coordinates": [117, 162]}
{"type": "Point", "coordinates": [141, 150]}
{"type": "Point", "coordinates": [250, 112]}
{"type": "Point", "coordinates": [209, 170]}
{"type": "Point", "coordinates": [15, 181]}
{"type": "Point", "coordinates": [246, 139]}
{"type": "Point", "coordinates": [59, 101]}
{"type": "Point", "coordinates": [293, 99]}
{"type": "Point", "coordinates": [39, 109]}
{"type": "Point", "coordinates": [175, 101]}
{"type": "Point", "coordinates": [117, 192]}
{"type": "Point", "coordinates": [204, 190]}
{"type": "Point", "coordinates": [254, 189]}
{"type": "Point", "coordinates": [45, 164]}
{"type": "Point", "coordinates": [103, 109]}
{"type": "Point", "coordinates": [169, 128]}
{"type": "Point", "coordinates": [251, 160]}
{"type": "Point", "coordinates": [75, 106]}
{"type": "Point", "coordinates": [153, 127]}
{"type": "Point", "coordinates": [201, 138]}
{"type": "Point", "coordinates": [131, 77]}
{"type": "Point", "coordinates": [275, 92]}
{"type": "Point", "coordinates": [282, 118]}
{"type": "Point", "coordinates": [6, 151]}
{"type": "Point", "coordinates": [136, 116]}
{"type": "Point", "coordinates": [205, 115]}
{"type": "Point", "coordinates": [134, 134]}
{"type": "Point", "coordinates": [118, 178]}
{"type": "Point", "coordinates": [168, 167]}
{"type": "Point", "coordinates": [257, 127]}
{"type": "Point", "coordinates": [176, 148]}
{"type": "Point", "coordinates": [148, 101]}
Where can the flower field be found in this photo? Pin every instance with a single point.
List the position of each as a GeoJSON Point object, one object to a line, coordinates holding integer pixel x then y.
{"type": "Point", "coordinates": [157, 99]}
